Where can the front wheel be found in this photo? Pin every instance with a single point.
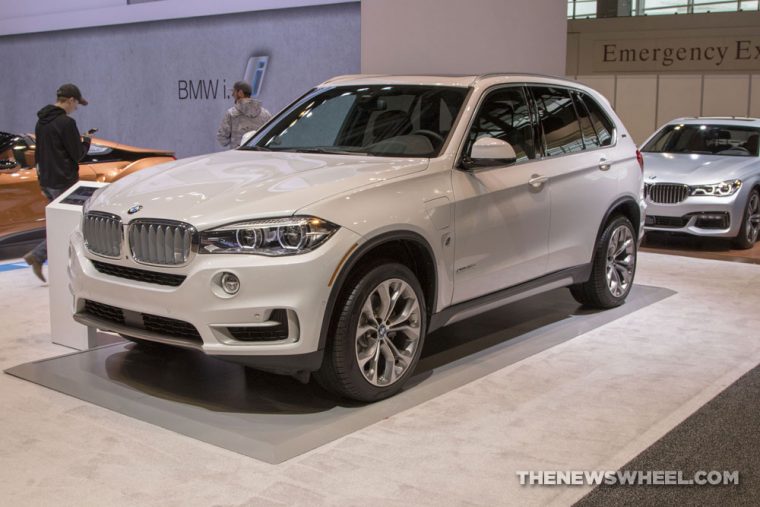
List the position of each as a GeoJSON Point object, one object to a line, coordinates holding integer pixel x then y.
{"type": "Point", "coordinates": [379, 334]}
{"type": "Point", "coordinates": [750, 223]}
{"type": "Point", "coordinates": [613, 268]}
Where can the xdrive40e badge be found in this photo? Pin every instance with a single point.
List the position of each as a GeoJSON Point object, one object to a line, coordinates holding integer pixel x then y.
{"type": "Point", "coordinates": [134, 209]}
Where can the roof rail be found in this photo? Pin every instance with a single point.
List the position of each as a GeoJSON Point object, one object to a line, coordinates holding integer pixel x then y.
{"type": "Point", "coordinates": [738, 118]}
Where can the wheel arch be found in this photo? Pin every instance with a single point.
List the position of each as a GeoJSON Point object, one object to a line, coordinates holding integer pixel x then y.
{"type": "Point", "coordinates": [626, 206]}
{"type": "Point", "coordinates": [406, 247]}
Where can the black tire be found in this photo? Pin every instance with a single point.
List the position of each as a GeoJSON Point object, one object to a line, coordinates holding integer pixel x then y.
{"type": "Point", "coordinates": [341, 372]}
{"type": "Point", "coordinates": [748, 232]}
{"type": "Point", "coordinates": [598, 291]}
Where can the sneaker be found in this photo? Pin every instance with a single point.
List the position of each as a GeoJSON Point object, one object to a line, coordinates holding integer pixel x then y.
{"type": "Point", "coordinates": [36, 266]}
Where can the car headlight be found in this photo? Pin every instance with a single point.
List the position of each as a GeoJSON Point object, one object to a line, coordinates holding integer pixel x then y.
{"type": "Point", "coordinates": [274, 236]}
{"type": "Point", "coordinates": [722, 189]}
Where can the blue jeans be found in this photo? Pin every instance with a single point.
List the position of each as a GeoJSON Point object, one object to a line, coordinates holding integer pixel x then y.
{"type": "Point", "coordinates": [40, 251]}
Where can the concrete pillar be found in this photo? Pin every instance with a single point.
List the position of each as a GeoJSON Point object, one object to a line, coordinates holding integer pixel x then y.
{"type": "Point", "coordinates": [456, 37]}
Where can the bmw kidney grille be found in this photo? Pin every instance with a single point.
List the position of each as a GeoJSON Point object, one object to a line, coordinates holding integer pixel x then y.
{"type": "Point", "coordinates": [152, 242]}
{"type": "Point", "coordinates": [102, 234]}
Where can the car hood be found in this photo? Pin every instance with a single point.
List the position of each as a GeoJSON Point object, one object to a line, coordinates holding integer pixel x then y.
{"type": "Point", "coordinates": [696, 169]}
{"type": "Point", "coordinates": [238, 185]}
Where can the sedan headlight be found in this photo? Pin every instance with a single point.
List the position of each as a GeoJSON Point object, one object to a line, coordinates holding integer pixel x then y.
{"type": "Point", "coordinates": [274, 236]}
{"type": "Point", "coordinates": [722, 189]}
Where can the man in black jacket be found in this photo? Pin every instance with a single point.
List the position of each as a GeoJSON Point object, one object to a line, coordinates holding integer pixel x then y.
{"type": "Point", "coordinates": [59, 150]}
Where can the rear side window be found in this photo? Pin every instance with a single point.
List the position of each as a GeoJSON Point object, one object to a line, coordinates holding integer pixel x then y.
{"type": "Point", "coordinates": [590, 139]}
{"type": "Point", "coordinates": [559, 123]}
{"type": "Point", "coordinates": [605, 129]}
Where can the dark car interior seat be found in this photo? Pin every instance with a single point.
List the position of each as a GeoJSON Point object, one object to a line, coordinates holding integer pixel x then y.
{"type": "Point", "coordinates": [696, 143]}
{"type": "Point", "coordinates": [751, 144]}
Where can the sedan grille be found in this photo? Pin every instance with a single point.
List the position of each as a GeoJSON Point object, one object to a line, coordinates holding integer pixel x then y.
{"type": "Point", "coordinates": [102, 234]}
{"type": "Point", "coordinates": [667, 193]}
{"type": "Point", "coordinates": [662, 221]}
{"type": "Point", "coordinates": [161, 243]}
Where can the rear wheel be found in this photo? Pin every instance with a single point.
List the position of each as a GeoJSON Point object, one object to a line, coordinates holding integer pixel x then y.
{"type": "Point", "coordinates": [750, 228]}
{"type": "Point", "coordinates": [380, 329]}
{"type": "Point", "coordinates": [613, 268]}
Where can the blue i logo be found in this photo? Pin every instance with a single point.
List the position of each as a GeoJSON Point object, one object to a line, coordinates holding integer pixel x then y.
{"type": "Point", "coordinates": [254, 73]}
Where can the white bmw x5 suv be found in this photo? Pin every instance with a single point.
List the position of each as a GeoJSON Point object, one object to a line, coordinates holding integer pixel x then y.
{"type": "Point", "coordinates": [370, 212]}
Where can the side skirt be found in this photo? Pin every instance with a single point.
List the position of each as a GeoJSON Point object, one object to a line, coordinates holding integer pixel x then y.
{"type": "Point", "coordinates": [466, 309]}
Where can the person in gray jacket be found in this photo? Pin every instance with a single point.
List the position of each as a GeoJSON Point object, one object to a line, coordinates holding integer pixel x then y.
{"type": "Point", "coordinates": [246, 115]}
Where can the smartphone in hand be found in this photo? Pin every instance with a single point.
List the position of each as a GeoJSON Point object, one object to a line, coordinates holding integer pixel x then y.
{"type": "Point", "coordinates": [91, 131]}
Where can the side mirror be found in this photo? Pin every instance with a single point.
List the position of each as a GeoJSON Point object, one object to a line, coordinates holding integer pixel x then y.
{"type": "Point", "coordinates": [247, 137]}
{"type": "Point", "coordinates": [7, 163]}
{"type": "Point", "coordinates": [489, 152]}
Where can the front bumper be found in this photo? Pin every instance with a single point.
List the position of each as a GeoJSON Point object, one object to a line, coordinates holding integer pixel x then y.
{"type": "Point", "coordinates": [294, 286]}
{"type": "Point", "coordinates": [718, 217]}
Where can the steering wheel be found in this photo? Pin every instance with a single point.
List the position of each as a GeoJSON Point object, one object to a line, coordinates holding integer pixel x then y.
{"type": "Point", "coordinates": [435, 137]}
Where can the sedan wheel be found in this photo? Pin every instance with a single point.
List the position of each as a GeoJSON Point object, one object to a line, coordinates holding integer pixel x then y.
{"type": "Point", "coordinates": [750, 224]}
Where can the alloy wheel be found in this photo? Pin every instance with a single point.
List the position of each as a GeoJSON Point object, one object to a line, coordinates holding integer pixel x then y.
{"type": "Point", "coordinates": [621, 260]}
{"type": "Point", "coordinates": [388, 332]}
{"type": "Point", "coordinates": [752, 221]}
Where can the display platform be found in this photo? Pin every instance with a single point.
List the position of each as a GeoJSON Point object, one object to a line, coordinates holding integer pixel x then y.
{"type": "Point", "coordinates": [274, 418]}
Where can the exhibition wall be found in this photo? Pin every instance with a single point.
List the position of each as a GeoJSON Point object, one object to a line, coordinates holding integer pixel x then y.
{"type": "Point", "coordinates": [47, 15]}
{"type": "Point", "coordinates": [455, 37]}
{"type": "Point", "coordinates": [656, 68]}
{"type": "Point", "coordinates": [646, 101]}
{"type": "Point", "coordinates": [167, 84]}
{"type": "Point", "coordinates": [693, 43]}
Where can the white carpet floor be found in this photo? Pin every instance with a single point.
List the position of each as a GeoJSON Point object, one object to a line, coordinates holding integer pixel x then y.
{"type": "Point", "coordinates": [591, 403]}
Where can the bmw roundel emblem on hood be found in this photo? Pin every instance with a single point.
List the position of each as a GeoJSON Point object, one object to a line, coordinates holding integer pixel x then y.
{"type": "Point", "coordinates": [134, 209]}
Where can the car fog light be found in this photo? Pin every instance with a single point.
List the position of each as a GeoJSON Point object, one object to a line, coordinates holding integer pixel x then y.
{"type": "Point", "coordinates": [230, 283]}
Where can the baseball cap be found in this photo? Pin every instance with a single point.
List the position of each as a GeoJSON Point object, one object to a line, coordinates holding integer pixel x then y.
{"type": "Point", "coordinates": [71, 90]}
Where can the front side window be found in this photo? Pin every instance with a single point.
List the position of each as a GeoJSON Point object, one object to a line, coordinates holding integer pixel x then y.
{"type": "Point", "coordinates": [705, 140]}
{"type": "Point", "coordinates": [379, 120]}
{"type": "Point", "coordinates": [505, 115]}
{"type": "Point", "coordinates": [559, 123]}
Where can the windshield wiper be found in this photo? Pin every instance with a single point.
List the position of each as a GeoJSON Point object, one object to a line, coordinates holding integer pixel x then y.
{"type": "Point", "coordinates": [329, 151]}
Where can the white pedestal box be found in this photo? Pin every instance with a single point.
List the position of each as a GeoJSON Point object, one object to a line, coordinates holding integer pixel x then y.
{"type": "Point", "coordinates": [62, 216]}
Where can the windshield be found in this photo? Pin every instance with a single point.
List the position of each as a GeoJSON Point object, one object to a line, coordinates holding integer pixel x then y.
{"type": "Point", "coordinates": [706, 140]}
{"type": "Point", "coordinates": [389, 121]}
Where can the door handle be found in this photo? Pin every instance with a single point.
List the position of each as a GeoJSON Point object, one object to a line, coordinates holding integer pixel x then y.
{"type": "Point", "coordinates": [537, 181]}
{"type": "Point", "coordinates": [603, 164]}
